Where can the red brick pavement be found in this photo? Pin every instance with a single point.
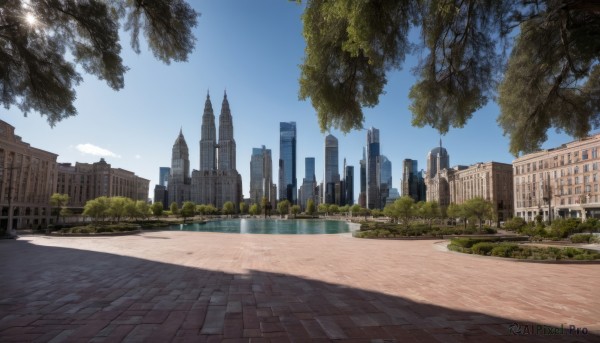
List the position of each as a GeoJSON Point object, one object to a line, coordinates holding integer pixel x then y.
{"type": "Point", "coordinates": [205, 287]}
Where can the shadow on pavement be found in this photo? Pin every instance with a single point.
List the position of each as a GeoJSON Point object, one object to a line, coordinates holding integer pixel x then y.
{"type": "Point", "coordinates": [61, 294]}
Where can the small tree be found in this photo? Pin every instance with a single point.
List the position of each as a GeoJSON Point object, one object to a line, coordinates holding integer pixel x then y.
{"type": "Point", "coordinates": [157, 209]}
{"type": "Point", "coordinates": [119, 207]}
{"type": "Point", "coordinates": [295, 210]}
{"type": "Point", "coordinates": [228, 208]}
{"type": "Point", "coordinates": [455, 211]}
{"type": "Point", "coordinates": [143, 209]}
{"type": "Point", "coordinates": [479, 208]}
{"type": "Point", "coordinates": [334, 209]}
{"type": "Point", "coordinates": [283, 207]}
{"type": "Point", "coordinates": [243, 207]}
{"type": "Point", "coordinates": [187, 210]}
{"type": "Point", "coordinates": [266, 206]}
{"type": "Point", "coordinates": [97, 208]}
{"type": "Point", "coordinates": [254, 209]}
{"type": "Point", "coordinates": [355, 210]}
{"type": "Point", "coordinates": [310, 207]}
{"type": "Point", "coordinates": [59, 201]}
{"type": "Point", "coordinates": [323, 208]}
{"type": "Point", "coordinates": [174, 208]}
{"type": "Point", "coordinates": [405, 209]}
{"type": "Point", "coordinates": [345, 209]}
{"type": "Point", "coordinates": [429, 211]}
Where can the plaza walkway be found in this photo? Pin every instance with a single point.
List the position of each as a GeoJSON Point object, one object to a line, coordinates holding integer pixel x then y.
{"type": "Point", "coordinates": [196, 287]}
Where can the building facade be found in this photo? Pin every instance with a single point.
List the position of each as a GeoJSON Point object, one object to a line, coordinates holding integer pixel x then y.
{"type": "Point", "coordinates": [362, 195]}
{"type": "Point", "coordinates": [492, 181]}
{"type": "Point", "coordinates": [163, 176]}
{"type": "Point", "coordinates": [332, 174]}
{"type": "Point", "coordinates": [88, 181]}
{"type": "Point", "coordinates": [437, 185]}
{"type": "Point", "coordinates": [348, 185]}
{"type": "Point", "coordinates": [560, 182]}
{"type": "Point", "coordinates": [413, 184]}
{"type": "Point", "coordinates": [373, 199]}
{"type": "Point", "coordinates": [179, 184]}
{"type": "Point", "coordinates": [261, 176]}
{"type": "Point", "coordinates": [218, 180]}
{"type": "Point", "coordinates": [27, 180]}
{"type": "Point", "coordinates": [288, 184]}
{"type": "Point", "coordinates": [309, 188]}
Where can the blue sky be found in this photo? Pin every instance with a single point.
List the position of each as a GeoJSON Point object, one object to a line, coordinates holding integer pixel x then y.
{"type": "Point", "coordinates": [252, 49]}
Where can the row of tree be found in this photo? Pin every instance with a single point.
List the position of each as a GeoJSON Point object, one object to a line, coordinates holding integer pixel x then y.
{"type": "Point", "coordinates": [405, 209]}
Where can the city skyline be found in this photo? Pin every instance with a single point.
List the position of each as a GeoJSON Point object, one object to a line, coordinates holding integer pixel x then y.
{"type": "Point", "coordinates": [134, 128]}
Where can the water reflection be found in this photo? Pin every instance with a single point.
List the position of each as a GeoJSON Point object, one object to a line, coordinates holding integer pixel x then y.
{"type": "Point", "coordinates": [268, 226]}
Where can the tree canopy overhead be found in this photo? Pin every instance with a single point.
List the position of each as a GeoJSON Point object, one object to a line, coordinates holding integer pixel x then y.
{"type": "Point", "coordinates": [551, 78]}
{"type": "Point", "coordinates": [42, 41]}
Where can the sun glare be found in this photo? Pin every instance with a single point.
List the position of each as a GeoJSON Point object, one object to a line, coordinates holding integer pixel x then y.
{"type": "Point", "coordinates": [30, 19]}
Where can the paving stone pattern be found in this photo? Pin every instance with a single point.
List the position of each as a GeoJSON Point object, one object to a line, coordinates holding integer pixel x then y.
{"type": "Point", "coordinates": [213, 287]}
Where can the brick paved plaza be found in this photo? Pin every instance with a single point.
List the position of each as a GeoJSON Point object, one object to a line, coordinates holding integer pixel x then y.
{"type": "Point", "coordinates": [190, 286]}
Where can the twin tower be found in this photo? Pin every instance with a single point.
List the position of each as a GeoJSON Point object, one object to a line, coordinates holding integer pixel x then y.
{"type": "Point", "coordinates": [218, 180]}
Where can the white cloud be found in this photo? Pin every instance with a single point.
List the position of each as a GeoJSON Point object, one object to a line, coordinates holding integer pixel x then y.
{"type": "Point", "coordinates": [91, 149]}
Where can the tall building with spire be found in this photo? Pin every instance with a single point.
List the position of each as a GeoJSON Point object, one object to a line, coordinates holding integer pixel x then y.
{"type": "Point", "coordinates": [179, 180]}
{"type": "Point", "coordinates": [217, 181]}
{"type": "Point", "coordinates": [438, 164]}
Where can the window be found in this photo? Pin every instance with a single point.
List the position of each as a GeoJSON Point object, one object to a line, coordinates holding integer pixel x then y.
{"type": "Point", "coordinates": [586, 180]}
{"type": "Point", "coordinates": [577, 190]}
{"type": "Point", "coordinates": [588, 188]}
{"type": "Point", "coordinates": [576, 180]}
{"type": "Point", "coordinates": [595, 166]}
{"type": "Point", "coordinates": [584, 154]}
{"type": "Point", "coordinates": [595, 153]}
{"type": "Point", "coordinates": [576, 170]}
{"type": "Point", "coordinates": [586, 168]}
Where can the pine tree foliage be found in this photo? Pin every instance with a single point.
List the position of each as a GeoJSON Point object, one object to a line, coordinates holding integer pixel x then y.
{"type": "Point", "coordinates": [43, 41]}
{"type": "Point", "coordinates": [539, 59]}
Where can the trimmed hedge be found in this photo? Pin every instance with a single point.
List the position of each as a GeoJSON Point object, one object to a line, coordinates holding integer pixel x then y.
{"type": "Point", "coordinates": [390, 230]}
{"type": "Point", "coordinates": [512, 250]}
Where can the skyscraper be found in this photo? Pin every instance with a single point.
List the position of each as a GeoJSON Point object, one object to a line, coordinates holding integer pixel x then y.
{"type": "Point", "coordinates": [309, 183]}
{"type": "Point", "coordinates": [437, 186]}
{"type": "Point", "coordinates": [384, 175]}
{"type": "Point", "coordinates": [217, 181]}
{"type": "Point", "coordinates": [261, 175]}
{"type": "Point", "coordinates": [349, 185]}
{"type": "Point", "coordinates": [372, 192]}
{"type": "Point", "coordinates": [179, 180]}
{"type": "Point", "coordinates": [362, 195]}
{"type": "Point", "coordinates": [413, 184]}
{"type": "Point", "coordinates": [163, 175]}
{"type": "Point", "coordinates": [287, 162]}
{"type": "Point", "coordinates": [332, 175]}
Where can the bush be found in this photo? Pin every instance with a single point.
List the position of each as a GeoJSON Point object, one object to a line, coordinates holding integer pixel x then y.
{"type": "Point", "coordinates": [580, 238]}
{"type": "Point", "coordinates": [489, 230]}
{"type": "Point", "coordinates": [564, 227]}
{"type": "Point", "coordinates": [515, 224]}
{"type": "Point", "coordinates": [504, 249]}
{"type": "Point", "coordinates": [483, 248]}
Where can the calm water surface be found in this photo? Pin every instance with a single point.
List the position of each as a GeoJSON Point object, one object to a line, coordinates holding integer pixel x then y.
{"type": "Point", "coordinates": [268, 226]}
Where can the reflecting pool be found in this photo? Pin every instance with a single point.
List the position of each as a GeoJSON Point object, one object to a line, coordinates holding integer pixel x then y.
{"type": "Point", "coordinates": [268, 226]}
